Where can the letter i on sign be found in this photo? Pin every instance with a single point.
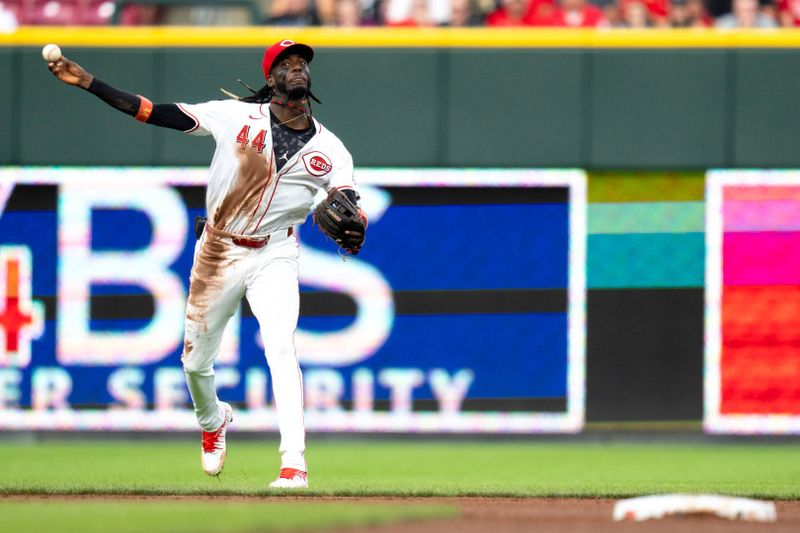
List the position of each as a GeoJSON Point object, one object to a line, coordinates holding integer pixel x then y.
{"type": "Point", "coordinates": [21, 319]}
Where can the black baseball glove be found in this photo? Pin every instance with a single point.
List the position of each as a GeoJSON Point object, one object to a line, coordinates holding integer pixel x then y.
{"type": "Point", "coordinates": [341, 220]}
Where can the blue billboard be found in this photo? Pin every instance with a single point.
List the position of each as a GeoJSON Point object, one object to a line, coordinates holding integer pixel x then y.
{"type": "Point", "coordinates": [464, 312]}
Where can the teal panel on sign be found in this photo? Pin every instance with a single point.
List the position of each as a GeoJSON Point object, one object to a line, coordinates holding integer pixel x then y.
{"type": "Point", "coordinates": [767, 85]}
{"type": "Point", "coordinates": [8, 109]}
{"type": "Point", "coordinates": [645, 260]}
{"type": "Point", "coordinates": [647, 217]}
{"type": "Point", "coordinates": [658, 108]}
{"type": "Point", "coordinates": [514, 107]}
{"type": "Point", "coordinates": [64, 125]}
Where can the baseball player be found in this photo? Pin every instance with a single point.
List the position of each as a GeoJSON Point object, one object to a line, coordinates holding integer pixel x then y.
{"type": "Point", "coordinates": [271, 159]}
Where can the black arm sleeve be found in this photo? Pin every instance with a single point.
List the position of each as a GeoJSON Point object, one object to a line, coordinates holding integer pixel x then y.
{"type": "Point", "coordinates": [171, 116]}
{"type": "Point", "coordinates": [126, 102]}
{"type": "Point", "coordinates": [164, 115]}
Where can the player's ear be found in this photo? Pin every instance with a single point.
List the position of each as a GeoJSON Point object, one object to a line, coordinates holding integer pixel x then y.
{"type": "Point", "coordinates": [271, 82]}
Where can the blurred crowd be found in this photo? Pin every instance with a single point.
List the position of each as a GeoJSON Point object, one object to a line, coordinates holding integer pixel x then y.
{"type": "Point", "coordinates": [414, 13]}
{"type": "Point", "coordinates": [542, 13]}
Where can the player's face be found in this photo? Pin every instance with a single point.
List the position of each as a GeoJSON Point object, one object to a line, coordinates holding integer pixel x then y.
{"type": "Point", "coordinates": [291, 77]}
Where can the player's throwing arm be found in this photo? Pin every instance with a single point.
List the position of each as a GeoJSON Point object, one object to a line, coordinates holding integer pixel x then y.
{"type": "Point", "coordinates": [139, 107]}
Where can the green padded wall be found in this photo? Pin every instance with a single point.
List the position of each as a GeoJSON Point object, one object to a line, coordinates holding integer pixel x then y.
{"type": "Point", "coordinates": [523, 107]}
{"type": "Point", "coordinates": [192, 77]}
{"type": "Point", "coordinates": [767, 86]}
{"type": "Point", "coordinates": [384, 104]}
{"type": "Point", "coordinates": [658, 108]}
{"type": "Point", "coordinates": [65, 125]}
{"type": "Point", "coordinates": [7, 106]}
{"type": "Point", "coordinates": [588, 108]}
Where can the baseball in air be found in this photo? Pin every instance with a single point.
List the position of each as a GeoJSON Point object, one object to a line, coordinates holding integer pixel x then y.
{"type": "Point", "coordinates": [51, 52]}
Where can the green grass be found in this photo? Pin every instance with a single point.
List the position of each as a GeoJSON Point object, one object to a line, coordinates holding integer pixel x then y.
{"type": "Point", "coordinates": [203, 517]}
{"type": "Point", "coordinates": [413, 468]}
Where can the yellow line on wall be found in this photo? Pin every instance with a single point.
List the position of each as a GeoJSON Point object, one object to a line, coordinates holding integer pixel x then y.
{"type": "Point", "coordinates": [258, 36]}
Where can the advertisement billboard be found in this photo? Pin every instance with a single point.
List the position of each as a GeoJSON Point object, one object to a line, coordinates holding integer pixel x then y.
{"type": "Point", "coordinates": [752, 360]}
{"type": "Point", "coordinates": [463, 313]}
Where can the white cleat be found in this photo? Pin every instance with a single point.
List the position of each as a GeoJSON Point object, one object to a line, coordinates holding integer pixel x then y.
{"type": "Point", "coordinates": [214, 450]}
{"type": "Point", "coordinates": [290, 478]}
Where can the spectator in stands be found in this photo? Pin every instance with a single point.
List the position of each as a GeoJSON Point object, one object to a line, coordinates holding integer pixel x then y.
{"type": "Point", "coordinates": [789, 13]}
{"type": "Point", "coordinates": [403, 14]}
{"type": "Point", "coordinates": [141, 15]}
{"type": "Point", "coordinates": [462, 14]}
{"type": "Point", "coordinates": [689, 14]}
{"type": "Point", "coordinates": [8, 20]}
{"type": "Point", "coordinates": [770, 9]}
{"type": "Point", "coordinates": [656, 13]}
{"type": "Point", "coordinates": [344, 13]}
{"type": "Point", "coordinates": [417, 13]}
{"type": "Point", "coordinates": [325, 11]}
{"type": "Point", "coordinates": [745, 14]}
{"type": "Point", "coordinates": [347, 13]}
{"type": "Point", "coordinates": [510, 13]}
{"type": "Point", "coordinates": [679, 15]}
{"type": "Point", "coordinates": [523, 13]}
{"type": "Point", "coordinates": [579, 14]}
{"type": "Point", "coordinates": [611, 11]}
{"type": "Point", "coordinates": [293, 13]}
{"type": "Point", "coordinates": [542, 13]}
{"type": "Point", "coordinates": [698, 11]}
{"type": "Point", "coordinates": [633, 15]}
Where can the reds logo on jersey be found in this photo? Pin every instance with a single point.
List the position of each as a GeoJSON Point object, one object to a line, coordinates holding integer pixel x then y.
{"type": "Point", "coordinates": [317, 163]}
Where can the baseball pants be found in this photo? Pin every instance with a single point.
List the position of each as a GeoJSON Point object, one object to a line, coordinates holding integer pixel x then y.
{"type": "Point", "coordinates": [221, 274]}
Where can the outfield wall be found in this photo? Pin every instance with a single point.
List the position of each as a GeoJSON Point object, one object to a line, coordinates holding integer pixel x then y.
{"type": "Point", "coordinates": [671, 100]}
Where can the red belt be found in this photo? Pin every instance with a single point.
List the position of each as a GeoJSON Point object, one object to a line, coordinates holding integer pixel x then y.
{"type": "Point", "coordinates": [247, 242]}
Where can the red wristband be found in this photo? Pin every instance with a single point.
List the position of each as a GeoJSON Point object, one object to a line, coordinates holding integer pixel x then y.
{"type": "Point", "coordinates": [145, 109]}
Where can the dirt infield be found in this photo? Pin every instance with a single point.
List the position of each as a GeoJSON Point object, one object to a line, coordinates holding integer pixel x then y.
{"type": "Point", "coordinates": [512, 515]}
{"type": "Point", "coordinates": [495, 515]}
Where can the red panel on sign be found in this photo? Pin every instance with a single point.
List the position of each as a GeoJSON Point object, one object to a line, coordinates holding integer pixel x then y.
{"type": "Point", "coordinates": [760, 350]}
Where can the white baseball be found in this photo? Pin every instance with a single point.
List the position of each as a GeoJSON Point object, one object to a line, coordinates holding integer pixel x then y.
{"type": "Point", "coordinates": [51, 52]}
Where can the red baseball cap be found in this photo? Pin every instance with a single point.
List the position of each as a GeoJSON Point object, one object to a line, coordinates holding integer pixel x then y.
{"type": "Point", "coordinates": [272, 53]}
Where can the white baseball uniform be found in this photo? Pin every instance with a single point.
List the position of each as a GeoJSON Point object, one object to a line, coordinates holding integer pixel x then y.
{"type": "Point", "coordinates": [248, 201]}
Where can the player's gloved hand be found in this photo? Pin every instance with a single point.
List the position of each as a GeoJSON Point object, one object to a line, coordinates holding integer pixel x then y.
{"type": "Point", "coordinates": [70, 73]}
{"type": "Point", "coordinates": [353, 240]}
{"type": "Point", "coordinates": [341, 220]}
